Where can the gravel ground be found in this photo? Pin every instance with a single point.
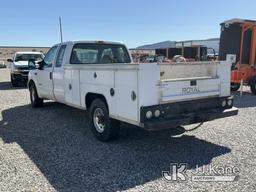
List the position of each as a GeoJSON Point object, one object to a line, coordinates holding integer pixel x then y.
{"type": "Point", "coordinates": [52, 149]}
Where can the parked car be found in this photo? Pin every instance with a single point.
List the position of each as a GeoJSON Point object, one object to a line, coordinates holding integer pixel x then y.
{"type": "Point", "coordinates": [100, 77]}
{"type": "Point", "coordinates": [19, 65]}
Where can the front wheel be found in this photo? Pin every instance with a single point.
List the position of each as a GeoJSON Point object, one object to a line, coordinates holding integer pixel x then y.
{"type": "Point", "coordinates": [103, 127]}
{"type": "Point", "coordinates": [14, 81]}
{"type": "Point", "coordinates": [35, 100]}
{"type": "Point", "coordinates": [234, 86]}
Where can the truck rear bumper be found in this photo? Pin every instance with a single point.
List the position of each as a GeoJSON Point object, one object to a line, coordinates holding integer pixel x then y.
{"type": "Point", "coordinates": [198, 117]}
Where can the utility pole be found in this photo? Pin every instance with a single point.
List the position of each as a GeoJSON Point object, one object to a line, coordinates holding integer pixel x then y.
{"type": "Point", "coordinates": [61, 36]}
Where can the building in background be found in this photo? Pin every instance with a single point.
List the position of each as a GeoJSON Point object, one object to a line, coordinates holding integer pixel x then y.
{"type": "Point", "coordinates": [193, 49]}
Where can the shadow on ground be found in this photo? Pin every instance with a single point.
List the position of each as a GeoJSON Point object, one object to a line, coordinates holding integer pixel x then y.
{"type": "Point", "coordinates": [245, 101]}
{"type": "Point", "coordinates": [8, 86]}
{"type": "Point", "coordinates": [57, 139]}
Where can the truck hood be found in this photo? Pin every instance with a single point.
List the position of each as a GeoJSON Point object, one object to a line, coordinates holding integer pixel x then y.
{"type": "Point", "coordinates": [21, 63]}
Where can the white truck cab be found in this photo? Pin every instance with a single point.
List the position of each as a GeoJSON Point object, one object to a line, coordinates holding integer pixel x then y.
{"type": "Point", "coordinates": [100, 77]}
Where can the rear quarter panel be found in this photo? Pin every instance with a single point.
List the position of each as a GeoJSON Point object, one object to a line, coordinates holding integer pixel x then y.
{"type": "Point", "coordinates": [100, 79]}
{"type": "Point", "coordinates": [148, 84]}
{"type": "Point", "coordinates": [100, 85]}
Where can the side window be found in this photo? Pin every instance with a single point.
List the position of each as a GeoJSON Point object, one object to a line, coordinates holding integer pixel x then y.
{"type": "Point", "coordinates": [50, 56]}
{"type": "Point", "coordinates": [60, 56]}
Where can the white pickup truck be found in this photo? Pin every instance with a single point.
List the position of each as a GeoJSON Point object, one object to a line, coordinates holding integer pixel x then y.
{"type": "Point", "coordinates": [100, 76]}
{"type": "Point", "coordinates": [19, 66]}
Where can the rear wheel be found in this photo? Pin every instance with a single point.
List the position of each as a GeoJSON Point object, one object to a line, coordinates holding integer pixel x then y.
{"type": "Point", "coordinates": [234, 86]}
{"type": "Point", "coordinates": [14, 81]}
{"type": "Point", "coordinates": [35, 100]}
{"type": "Point", "coordinates": [103, 127]}
{"type": "Point", "coordinates": [253, 85]}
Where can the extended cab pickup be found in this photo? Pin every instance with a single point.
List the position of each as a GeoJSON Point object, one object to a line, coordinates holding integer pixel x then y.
{"type": "Point", "coordinates": [100, 76]}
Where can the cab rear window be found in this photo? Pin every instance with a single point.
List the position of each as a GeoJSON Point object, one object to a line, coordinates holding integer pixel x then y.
{"type": "Point", "coordinates": [89, 53]}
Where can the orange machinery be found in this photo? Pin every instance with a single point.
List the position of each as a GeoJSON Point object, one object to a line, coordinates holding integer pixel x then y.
{"type": "Point", "coordinates": [238, 37]}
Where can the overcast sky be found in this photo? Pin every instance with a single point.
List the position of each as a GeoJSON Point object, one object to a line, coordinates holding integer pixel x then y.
{"type": "Point", "coordinates": [135, 22]}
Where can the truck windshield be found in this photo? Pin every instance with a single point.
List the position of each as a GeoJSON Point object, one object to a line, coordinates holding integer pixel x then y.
{"type": "Point", "coordinates": [89, 53]}
{"type": "Point", "coordinates": [27, 57]}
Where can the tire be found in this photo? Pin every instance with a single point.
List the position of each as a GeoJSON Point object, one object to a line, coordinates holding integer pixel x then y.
{"type": "Point", "coordinates": [102, 126]}
{"type": "Point", "coordinates": [234, 86]}
{"type": "Point", "coordinates": [36, 102]}
{"type": "Point", "coordinates": [253, 86]}
{"type": "Point", "coordinates": [14, 81]}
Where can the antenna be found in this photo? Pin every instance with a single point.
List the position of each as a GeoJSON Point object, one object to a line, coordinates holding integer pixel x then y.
{"type": "Point", "coordinates": [61, 36]}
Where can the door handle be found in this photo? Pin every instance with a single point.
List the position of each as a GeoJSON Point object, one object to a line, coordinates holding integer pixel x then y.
{"type": "Point", "coordinates": [50, 75]}
{"type": "Point", "coordinates": [70, 86]}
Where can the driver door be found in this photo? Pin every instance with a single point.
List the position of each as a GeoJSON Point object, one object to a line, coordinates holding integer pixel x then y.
{"type": "Point", "coordinates": [44, 76]}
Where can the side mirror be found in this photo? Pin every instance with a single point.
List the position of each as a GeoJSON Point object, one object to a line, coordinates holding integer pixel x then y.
{"type": "Point", "coordinates": [40, 64]}
{"type": "Point", "coordinates": [9, 60]}
{"type": "Point", "coordinates": [31, 65]}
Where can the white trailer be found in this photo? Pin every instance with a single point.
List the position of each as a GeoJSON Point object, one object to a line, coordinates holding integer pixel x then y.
{"type": "Point", "coordinates": [100, 77]}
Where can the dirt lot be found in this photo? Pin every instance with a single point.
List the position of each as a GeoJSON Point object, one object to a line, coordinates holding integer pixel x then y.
{"type": "Point", "coordinates": [52, 149]}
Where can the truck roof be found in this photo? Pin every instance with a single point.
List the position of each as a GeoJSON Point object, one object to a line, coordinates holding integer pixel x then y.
{"type": "Point", "coordinates": [90, 41]}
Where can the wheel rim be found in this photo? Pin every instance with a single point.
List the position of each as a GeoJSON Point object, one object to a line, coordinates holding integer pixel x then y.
{"type": "Point", "coordinates": [98, 120]}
